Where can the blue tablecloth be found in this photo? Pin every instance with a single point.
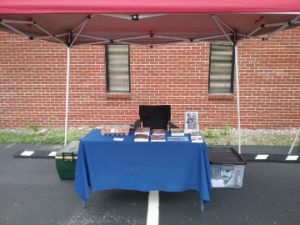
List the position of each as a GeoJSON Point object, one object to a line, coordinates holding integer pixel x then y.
{"type": "Point", "coordinates": [103, 164]}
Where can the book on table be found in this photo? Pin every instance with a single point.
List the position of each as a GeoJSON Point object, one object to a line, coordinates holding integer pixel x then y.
{"type": "Point", "coordinates": [158, 138]}
{"type": "Point", "coordinates": [158, 132]}
{"type": "Point", "coordinates": [177, 132]}
{"type": "Point", "coordinates": [141, 138]}
{"type": "Point", "coordinates": [158, 135]}
{"type": "Point", "coordinates": [178, 138]}
{"type": "Point", "coordinates": [142, 130]}
{"type": "Point", "coordinates": [114, 130]}
{"type": "Point", "coordinates": [142, 134]}
{"type": "Point", "coordinates": [196, 137]}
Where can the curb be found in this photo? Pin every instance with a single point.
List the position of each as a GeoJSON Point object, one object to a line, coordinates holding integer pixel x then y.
{"type": "Point", "coordinates": [272, 158]}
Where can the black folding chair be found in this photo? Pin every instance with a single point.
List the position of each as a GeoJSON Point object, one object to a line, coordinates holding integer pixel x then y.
{"type": "Point", "coordinates": [155, 117]}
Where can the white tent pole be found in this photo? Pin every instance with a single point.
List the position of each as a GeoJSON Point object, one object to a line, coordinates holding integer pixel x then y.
{"type": "Point", "coordinates": [294, 142]}
{"type": "Point", "coordinates": [236, 61]}
{"type": "Point", "coordinates": [67, 95]}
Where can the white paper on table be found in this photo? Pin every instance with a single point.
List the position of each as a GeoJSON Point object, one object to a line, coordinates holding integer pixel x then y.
{"type": "Point", "coordinates": [118, 139]}
{"type": "Point", "coordinates": [197, 141]}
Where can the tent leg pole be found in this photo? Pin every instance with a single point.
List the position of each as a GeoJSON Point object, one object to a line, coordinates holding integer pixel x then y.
{"type": "Point", "coordinates": [67, 95]}
{"type": "Point", "coordinates": [294, 142]}
{"type": "Point", "coordinates": [237, 95]}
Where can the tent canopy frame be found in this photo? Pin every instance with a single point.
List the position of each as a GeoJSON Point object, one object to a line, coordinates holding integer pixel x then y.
{"type": "Point", "coordinates": [74, 33]}
{"type": "Point", "coordinates": [70, 36]}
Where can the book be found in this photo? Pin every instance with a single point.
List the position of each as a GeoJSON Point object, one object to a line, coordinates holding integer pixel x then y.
{"type": "Point", "coordinates": [158, 132]}
{"type": "Point", "coordinates": [177, 132]}
{"type": "Point", "coordinates": [196, 137]}
{"type": "Point", "coordinates": [142, 130]}
{"type": "Point", "coordinates": [158, 138]}
{"type": "Point", "coordinates": [141, 134]}
{"type": "Point", "coordinates": [141, 138]}
{"type": "Point", "coordinates": [178, 138]}
{"type": "Point", "coordinates": [115, 130]}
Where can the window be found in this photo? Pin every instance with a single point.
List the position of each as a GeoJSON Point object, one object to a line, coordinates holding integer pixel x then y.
{"type": "Point", "coordinates": [117, 68]}
{"type": "Point", "coordinates": [221, 68]}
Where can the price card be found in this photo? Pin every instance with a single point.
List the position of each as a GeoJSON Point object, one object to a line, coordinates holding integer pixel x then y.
{"type": "Point", "coordinates": [118, 139]}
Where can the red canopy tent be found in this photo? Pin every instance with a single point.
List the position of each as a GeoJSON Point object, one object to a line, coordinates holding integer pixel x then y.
{"type": "Point", "coordinates": [145, 6]}
{"type": "Point", "coordinates": [147, 22]}
{"type": "Point", "coordinates": [131, 21]}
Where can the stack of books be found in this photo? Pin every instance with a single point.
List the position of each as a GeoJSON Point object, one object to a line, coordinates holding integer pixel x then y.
{"type": "Point", "coordinates": [142, 134]}
{"type": "Point", "coordinates": [196, 137]}
{"type": "Point", "coordinates": [158, 135]}
{"type": "Point", "coordinates": [177, 132]}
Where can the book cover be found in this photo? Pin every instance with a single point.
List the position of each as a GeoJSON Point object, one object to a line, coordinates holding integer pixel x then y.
{"type": "Point", "coordinates": [158, 132]}
{"type": "Point", "coordinates": [158, 138]}
{"type": "Point", "coordinates": [142, 130]}
{"type": "Point", "coordinates": [178, 138]}
{"type": "Point", "coordinates": [197, 139]}
{"type": "Point", "coordinates": [177, 132]}
{"type": "Point", "coordinates": [141, 138]}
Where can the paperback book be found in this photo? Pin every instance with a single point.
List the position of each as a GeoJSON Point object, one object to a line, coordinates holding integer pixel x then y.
{"type": "Point", "coordinates": [142, 134]}
{"type": "Point", "coordinates": [196, 137]}
{"type": "Point", "coordinates": [141, 138]}
{"type": "Point", "coordinates": [158, 132]}
{"type": "Point", "coordinates": [158, 138]}
{"type": "Point", "coordinates": [142, 130]}
{"type": "Point", "coordinates": [177, 132]}
{"type": "Point", "coordinates": [178, 138]}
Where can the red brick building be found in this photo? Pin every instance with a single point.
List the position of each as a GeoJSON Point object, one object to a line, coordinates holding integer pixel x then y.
{"type": "Point", "coordinates": [33, 77]}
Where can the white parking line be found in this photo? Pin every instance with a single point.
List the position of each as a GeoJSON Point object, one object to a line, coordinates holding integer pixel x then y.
{"type": "Point", "coordinates": [27, 153]}
{"type": "Point", "coordinates": [292, 158]}
{"type": "Point", "coordinates": [153, 208]}
{"type": "Point", "coordinates": [261, 157]}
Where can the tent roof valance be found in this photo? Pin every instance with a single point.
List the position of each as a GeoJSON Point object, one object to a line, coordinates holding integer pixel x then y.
{"type": "Point", "coordinates": [147, 22]}
{"type": "Point", "coordinates": [146, 6]}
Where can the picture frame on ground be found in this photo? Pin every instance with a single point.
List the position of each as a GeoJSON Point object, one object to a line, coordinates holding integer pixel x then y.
{"type": "Point", "coordinates": [191, 122]}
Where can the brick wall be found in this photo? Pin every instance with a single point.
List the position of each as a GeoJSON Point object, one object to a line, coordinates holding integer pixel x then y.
{"type": "Point", "coordinates": [32, 84]}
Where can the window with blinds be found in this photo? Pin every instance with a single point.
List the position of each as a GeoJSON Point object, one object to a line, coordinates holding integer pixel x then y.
{"type": "Point", "coordinates": [117, 68]}
{"type": "Point", "coordinates": [221, 68]}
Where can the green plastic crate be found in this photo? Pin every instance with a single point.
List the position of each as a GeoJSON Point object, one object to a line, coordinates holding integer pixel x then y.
{"type": "Point", "coordinates": [65, 160]}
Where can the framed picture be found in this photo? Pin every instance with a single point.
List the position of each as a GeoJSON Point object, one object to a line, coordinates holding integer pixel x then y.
{"type": "Point", "coordinates": [191, 122]}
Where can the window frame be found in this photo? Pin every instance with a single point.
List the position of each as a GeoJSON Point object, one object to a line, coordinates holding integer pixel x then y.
{"type": "Point", "coordinates": [232, 71]}
{"type": "Point", "coordinates": [108, 72]}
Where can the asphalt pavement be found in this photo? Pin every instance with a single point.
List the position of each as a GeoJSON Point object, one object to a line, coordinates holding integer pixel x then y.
{"type": "Point", "coordinates": [31, 193]}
